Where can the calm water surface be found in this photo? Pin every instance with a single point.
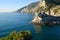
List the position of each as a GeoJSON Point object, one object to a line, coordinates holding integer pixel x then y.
{"type": "Point", "coordinates": [11, 21]}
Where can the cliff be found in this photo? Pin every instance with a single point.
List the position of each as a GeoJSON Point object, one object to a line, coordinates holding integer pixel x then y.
{"type": "Point", "coordinates": [51, 7]}
{"type": "Point", "coordinates": [28, 7]}
{"type": "Point", "coordinates": [44, 19]}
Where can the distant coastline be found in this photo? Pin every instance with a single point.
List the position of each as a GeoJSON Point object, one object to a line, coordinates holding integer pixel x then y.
{"type": "Point", "coordinates": [43, 5]}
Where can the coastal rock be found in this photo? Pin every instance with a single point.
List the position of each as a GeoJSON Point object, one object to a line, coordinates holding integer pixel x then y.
{"type": "Point", "coordinates": [44, 19]}
{"type": "Point", "coordinates": [37, 19]}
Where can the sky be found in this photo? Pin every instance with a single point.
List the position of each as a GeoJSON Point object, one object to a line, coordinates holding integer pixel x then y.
{"type": "Point", "coordinates": [13, 5]}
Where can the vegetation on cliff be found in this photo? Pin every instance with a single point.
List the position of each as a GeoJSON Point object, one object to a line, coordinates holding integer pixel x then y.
{"type": "Point", "coordinates": [44, 5]}
{"type": "Point", "coordinates": [57, 2]}
{"type": "Point", "coordinates": [28, 7]}
{"type": "Point", "coordinates": [24, 35]}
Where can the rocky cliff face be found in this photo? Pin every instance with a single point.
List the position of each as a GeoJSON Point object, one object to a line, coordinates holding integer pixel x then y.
{"type": "Point", "coordinates": [51, 7]}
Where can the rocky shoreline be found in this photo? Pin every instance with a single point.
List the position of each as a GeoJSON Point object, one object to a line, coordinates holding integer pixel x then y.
{"type": "Point", "coordinates": [44, 19]}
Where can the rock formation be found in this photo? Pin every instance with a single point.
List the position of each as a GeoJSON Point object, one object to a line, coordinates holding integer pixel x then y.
{"type": "Point", "coordinates": [44, 19]}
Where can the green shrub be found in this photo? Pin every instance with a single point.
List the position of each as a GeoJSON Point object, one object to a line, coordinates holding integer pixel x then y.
{"type": "Point", "coordinates": [23, 35]}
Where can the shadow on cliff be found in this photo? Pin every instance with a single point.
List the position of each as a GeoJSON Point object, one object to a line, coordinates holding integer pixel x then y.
{"type": "Point", "coordinates": [49, 19]}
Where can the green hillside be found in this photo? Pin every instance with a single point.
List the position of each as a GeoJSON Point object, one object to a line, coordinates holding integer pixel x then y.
{"type": "Point", "coordinates": [44, 5]}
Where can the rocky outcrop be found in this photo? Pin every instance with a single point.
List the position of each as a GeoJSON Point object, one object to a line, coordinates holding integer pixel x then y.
{"type": "Point", "coordinates": [37, 19]}
{"type": "Point", "coordinates": [44, 19]}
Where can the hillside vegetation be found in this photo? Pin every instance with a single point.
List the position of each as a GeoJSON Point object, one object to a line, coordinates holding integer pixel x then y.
{"type": "Point", "coordinates": [23, 35]}
{"type": "Point", "coordinates": [44, 5]}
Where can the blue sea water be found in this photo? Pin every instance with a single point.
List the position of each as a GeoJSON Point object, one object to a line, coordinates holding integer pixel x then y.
{"type": "Point", "coordinates": [11, 21]}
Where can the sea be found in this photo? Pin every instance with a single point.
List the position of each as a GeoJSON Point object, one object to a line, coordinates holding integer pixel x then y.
{"type": "Point", "coordinates": [12, 21]}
